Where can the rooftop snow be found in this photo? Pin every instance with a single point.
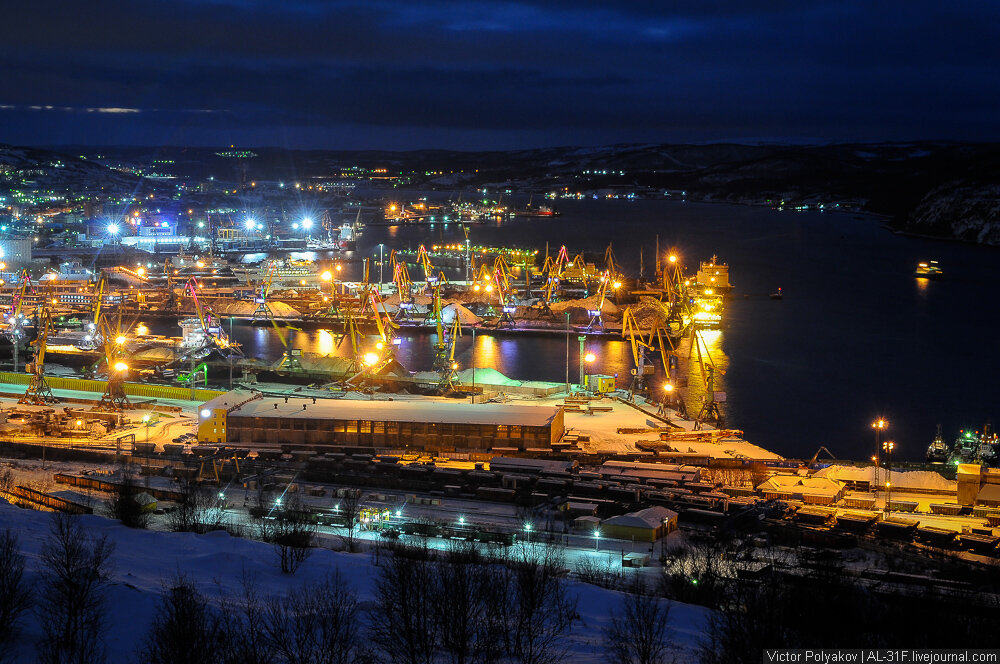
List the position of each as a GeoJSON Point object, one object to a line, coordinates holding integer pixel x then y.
{"type": "Point", "coordinates": [433, 411]}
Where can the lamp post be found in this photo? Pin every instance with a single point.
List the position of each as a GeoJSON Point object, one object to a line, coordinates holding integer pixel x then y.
{"type": "Point", "coordinates": [567, 353]}
{"type": "Point", "coordinates": [597, 540]}
{"type": "Point", "coordinates": [473, 365]}
{"type": "Point", "coordinates": [888, 446]}
{"type": "Point", "coordinates": [527, 530]}
{"type": "Point", "coordinates": [879, 425]}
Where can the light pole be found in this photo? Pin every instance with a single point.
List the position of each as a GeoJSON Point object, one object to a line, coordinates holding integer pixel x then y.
{"type": "Point", "coordinates": [597, 540]}
{"type": "Point", "coordinates": [567, 353]}
{"type": "Point", "coordinates": [527, 529]}
{"type": "Point", "coordinates": [473, 365]}
{"type": "Point", "coordinates": [879, 425]}
{"type": "Point", "coordinates": [888, 446]}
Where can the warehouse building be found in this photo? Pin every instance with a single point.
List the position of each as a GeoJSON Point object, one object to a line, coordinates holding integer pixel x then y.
{"type": "Point", "coordinates": [252, 420]}
{"type": "Point", "coordinates": [646, 525]}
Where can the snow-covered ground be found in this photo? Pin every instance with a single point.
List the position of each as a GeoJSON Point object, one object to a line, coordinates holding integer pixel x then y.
{"type": "Point", "coordinates": [145, 561]}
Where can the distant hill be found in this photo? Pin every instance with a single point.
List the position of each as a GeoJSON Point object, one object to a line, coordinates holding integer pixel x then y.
{"type": "Point", "coordinates": [941, 189]}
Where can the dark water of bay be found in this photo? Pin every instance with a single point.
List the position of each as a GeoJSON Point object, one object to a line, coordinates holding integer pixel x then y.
{"type": "Point", "coordinates": [856, 336]}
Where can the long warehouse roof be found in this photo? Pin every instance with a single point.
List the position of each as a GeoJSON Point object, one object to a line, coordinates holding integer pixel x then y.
{"type": "Point", "coordinates": [410, 410]}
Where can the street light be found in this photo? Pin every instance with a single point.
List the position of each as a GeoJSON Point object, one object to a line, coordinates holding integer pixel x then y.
{"type": "Point", "coordinates": [888, 446]}
{"type": "Point", "coordinates": [597, 540]}
{"type": "Point", "coordinates": [527, 529]}
{"type": "Point", "coordinates": [879, 425]}
{"type": "Point", "coordinates": [145, 420]}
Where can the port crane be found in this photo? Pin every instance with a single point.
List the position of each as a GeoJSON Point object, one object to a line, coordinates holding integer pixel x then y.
{"type": "Point", "coordinates": [656, 341]}
{"type": "Point", "coordinates": [710, 411]}
{"type": "Point", "coordinates": [507, 307]}
{"type": "Point", "coordinates": [404, 286]}
{"type": "Point", "coordinates": [444, 348]}
{"type": "Point", "coordinates": [597, 314]}
{"type": "Point", "coordinates": [214, 337]}
{"type": "Point", "coordinates": [263, 310]}
{"type": "Point", "coordinates": [640, 354]}
{"type": "Point", "coordinates": [114, 332]}
{"type": "Point", "coordinates": [39, 393]}
{"type": "Point", "coordinates": [424, 260]}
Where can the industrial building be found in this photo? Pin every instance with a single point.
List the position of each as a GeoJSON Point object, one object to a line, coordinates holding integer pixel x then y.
{"type": "Point", "coordinates": [646, 525]}
{"type": "Point", "coordinates": [253, 420]}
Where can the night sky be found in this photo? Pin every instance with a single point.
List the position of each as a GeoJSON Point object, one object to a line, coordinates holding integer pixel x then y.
{"type": "Point", "coordinates": [399, 74]}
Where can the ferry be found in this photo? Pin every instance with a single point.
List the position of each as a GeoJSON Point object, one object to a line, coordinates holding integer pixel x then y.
{"type": "Point", "coordinates": [928, 270]}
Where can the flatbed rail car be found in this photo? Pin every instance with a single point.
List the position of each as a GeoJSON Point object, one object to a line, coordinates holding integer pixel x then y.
{"type": "Point", "coordinates": [31, 498]}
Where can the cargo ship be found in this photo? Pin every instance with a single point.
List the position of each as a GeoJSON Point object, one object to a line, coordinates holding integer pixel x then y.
{"type": "Point", "coordinates": [530, 210]}
{"type": "Point", "coordinates": [714, 275]}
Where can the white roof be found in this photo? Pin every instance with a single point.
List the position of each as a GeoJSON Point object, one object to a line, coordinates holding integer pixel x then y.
{"type": "Point", "coordinates": [410, 410]}
{"type": "Point", "coordinates": [651, 517]}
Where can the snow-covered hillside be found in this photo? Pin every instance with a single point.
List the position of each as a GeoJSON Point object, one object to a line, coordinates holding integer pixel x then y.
{"type": "Point", "coordinates": [144, 562]}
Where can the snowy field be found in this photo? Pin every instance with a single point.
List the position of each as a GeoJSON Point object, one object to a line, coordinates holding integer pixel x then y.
{"type": "Point", "coordinates": [145, 562]}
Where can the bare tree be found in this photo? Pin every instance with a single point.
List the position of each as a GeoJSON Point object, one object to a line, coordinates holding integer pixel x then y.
{"type": "Point", "coordinates": [125, 504]}
{"type": "Point", "coordinates": [543, 612]}
{"type": "Point", "coordinates": [293, 534]}
{"type": "Point", "coordinates": [15, 597]}
{"type": "Point", "coordinates": [243, 627]}
{"type": "Point", "coordinates": [349, 508]}
{"type": "Point", "coordinates": [401, 622]}
{"type": "Point", "coordinates": [463, 630]}
{"type": "Point", "coordinates": [71, 605]}
{"type": "Point", "coordinates": [6, 480]}
{"type": "Point", "coordinates": [316, 625]}
{"type": "Point", "coordinates": [192, 505]}
{"type": "Point", "coordinates": [600, 571]}
{"type": "Point", "coordinates": [185, 630]}
{"type": "Point", "coordinates": [638, 633]}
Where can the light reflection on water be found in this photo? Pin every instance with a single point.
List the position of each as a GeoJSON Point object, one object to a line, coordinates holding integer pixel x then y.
{"type": "Point", "coordinates": [851, 338]}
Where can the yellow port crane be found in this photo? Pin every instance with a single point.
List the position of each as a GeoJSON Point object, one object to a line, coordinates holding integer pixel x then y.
{"type": "Point", "coordinates": [710, 411]}
{"type": "Point", "coordinates": [114, 332]}
{"type": "Point", "coordinates": [657, 340]}
{"type": "Point", "coordinates": [263, 310]}
{"type": "Point", "coordinates": [39, 393]}
{"type": "Point", "coordinates": [424, 260]}
{"type": "Point", "coordinates": [597, 314]}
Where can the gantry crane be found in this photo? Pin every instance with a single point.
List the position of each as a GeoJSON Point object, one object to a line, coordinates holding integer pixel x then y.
{"type": "Point", "coordinates": [39, 393]}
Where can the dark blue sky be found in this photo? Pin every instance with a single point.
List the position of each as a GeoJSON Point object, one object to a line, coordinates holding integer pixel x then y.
{"type": "Point", "coordinates": [402, 74]}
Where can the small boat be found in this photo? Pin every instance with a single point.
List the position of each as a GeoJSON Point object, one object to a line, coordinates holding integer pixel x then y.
{"type": "Point", "coordinates": [937, 451]}
{"type": "Point", "coordinates": [777, 295]}
{"type": "Point", "coordinates": [928, 270]}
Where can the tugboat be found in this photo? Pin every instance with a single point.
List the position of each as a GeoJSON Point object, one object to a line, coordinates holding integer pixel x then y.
{"type": "Point", "coordinates": [965, 448]}
{"type": "Point", "coordinates": [928, 270]}
{"type": "Point", "coordinates": [937, 451]}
